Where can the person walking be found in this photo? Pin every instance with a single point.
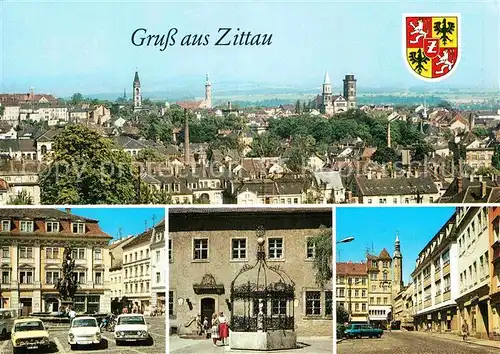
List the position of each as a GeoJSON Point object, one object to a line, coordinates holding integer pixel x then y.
{"type": "Point", "coordinates": [465, 330]}
{"type": "Point", "coordinates": [215, 329]}
{"type": "Point", "coordinates": [72, 315]}
{"type": "Point", "coordinates": [223, 328]}
{"type": "Point", "coordinates": [206, 327]}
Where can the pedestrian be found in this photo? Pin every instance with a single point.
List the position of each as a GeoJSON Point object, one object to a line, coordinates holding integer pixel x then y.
{"type": "Point", "coordinates": [215, 329]}
{"type": "Point", "coordinates": [465, 330]}
{"type": "Point", "coordinates": [205, 327]}
{"type": "Point", "coordinates": [223, 327]}
{"type": "Point", "coordinates": [72, 315]}
{"type": "Point", "coordinates": [125, 310]}
{"type": "Point", "coordinates": [429, 326]}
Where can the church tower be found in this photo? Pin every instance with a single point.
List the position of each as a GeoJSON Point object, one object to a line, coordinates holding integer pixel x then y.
{"type": "Point", "coordinates": [208, 93]}
{"type": "Point", "coordinates": [326, 102]}
{"type": "Point", "coordinates": [350, 91]}
{"type": "Point", "coordinates": [397, 284]}
{"type": "Point", "coordinates": [137, 92]}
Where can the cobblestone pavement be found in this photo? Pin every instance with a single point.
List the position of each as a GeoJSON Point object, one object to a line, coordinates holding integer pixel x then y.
{"type": "Point", "coordinates": [60, 342]}
{"type": "Point", "coordinates": [410, 343]}
{"type": "Point", "coordinates": [306, 345]}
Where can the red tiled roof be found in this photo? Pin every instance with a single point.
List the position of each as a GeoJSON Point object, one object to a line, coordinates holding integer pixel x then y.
{"type": "Point", "coordinates": [384, 255]}
{"type": "Point", "coordinates": [350, 268]}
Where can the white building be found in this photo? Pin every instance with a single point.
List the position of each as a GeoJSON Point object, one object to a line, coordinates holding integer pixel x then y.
{"type": "Point", "coordinates": [158, 266]}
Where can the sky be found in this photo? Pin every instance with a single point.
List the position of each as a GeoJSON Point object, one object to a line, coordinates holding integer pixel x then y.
{"type": "Point", "coordinates": [378, 227]}
{"type": "Point", "coordinates": [64, 47]}
{"type": "Point", "coordinates": [131, 221]}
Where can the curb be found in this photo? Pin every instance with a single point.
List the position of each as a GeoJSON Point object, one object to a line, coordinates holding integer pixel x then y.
{"type": "Point", "coordinates": [471, 342]}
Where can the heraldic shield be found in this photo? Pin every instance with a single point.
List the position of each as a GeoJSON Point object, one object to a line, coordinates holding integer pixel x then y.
{"type": "Point", "coordinates": [431, 44]}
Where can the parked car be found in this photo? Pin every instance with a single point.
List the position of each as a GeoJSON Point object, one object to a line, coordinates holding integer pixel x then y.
{"type": "Point", "coordinates": [29, 333]}
{"type": "Point", "coordinates": [84, 331]}
{"type": "Point", "coordinates": [7, 318]}
{"type": "Point", "coordinates": [362, 330]}
{"type": "Point", "coordinates": [131, 328]}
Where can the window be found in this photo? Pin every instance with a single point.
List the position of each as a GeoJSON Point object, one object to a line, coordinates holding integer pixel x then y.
{"type": "Point", "coordinates": [25, 252]}
{"type": "Point", "coordinates": [356, 293]}
{"type": "Point", "coordinates": [278, 307]}
{"type": "Point", "coordinates": [125, 259]}
{"type": "Point", "coordinates": [26, 226]}
{"type": "Point", "coordinates": [275, 248]}
{"type": "Point", "coordinates": [363, 307]}
{"type": "Point", "coordinates": [328, 303]}
{"type": "Point", "coordinates": [51, 277]}
{"type": "Point", "coordinates": [26, 277]}
{"type": "Point", "coordinates": [170, 250]}
{"type": "Point", "coordinates": [385, 276]}
{"type": "Point", "coordinates": [5, 252]}
{"type": "Point", "coordinates": [446, 258]}
{"type": "Point", "coordinates": [341, 292]}
{"type": "Point", "coordinates": [200, 249]}
{"type": "Point", "coordinates": [170, 303]}
{"type": "Point", "coordinates": [447, 283]}
{"type": "Point", "coordinates": [313, 303]}
{"type": "Point", "coordinates": [147, 286]}
{"type": "Point", "coordinates": [5, 225]}
{"type": "Point", "coordinates": [238, 248]}
{"type": "Point", "coordinates": [311, 249]}
{"type": "Point", "coordinates": [427, 272]}
{"type": "Point", "coordinates": [93, 303]}
{"type": "Point", "coordinates": [52, 252]}
{"type": "Point", "coordinates": [5, 277]}
{"type": "Point", "coordinates": [437, 264]}
{"type": "Point", "coordinates": [363, 293]}
{"type": "Point", "coordinates": [141, 255]}
{"type": "Point", "coordinates": [158, 255]}
{"type": "Point", "coordinates": [135, 256]}
{"type": "Point", "coordinates": [97, 254]}
{"type": "Point", "coordinates": [98, 278]}
{"type": "Point", "coordinates": [385, 301]}
{"type": "Point", "coordinates": [52, 226]}
{"type": "Point", "coordinates": [158, 277]}
{"type": "Point", "coordinates": [374, 264]}
{"type": "Point", "coordinates": [78, 228]}
{"type": "Point", "coordinates": [373, 276]}
{"type": "Point", "coordinates": [79, 277]}
{"type": "Point", "coordinates": [78, 253]}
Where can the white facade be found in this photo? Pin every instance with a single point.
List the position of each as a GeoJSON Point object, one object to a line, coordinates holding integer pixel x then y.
{"type": "Point", "coordinates": [400, 199]}
{"type": "Point", "coordinates": [137, 272]}
{"type": "Point", "coordinates": [473, 247]}
{"type": "Point", "coordinates": [158, 267]}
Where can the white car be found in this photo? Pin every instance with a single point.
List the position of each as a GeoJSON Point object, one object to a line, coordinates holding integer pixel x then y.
{"type": "Point", "coordinates": [131, 328]}
{"type": "Point", "coordinates": [84, 331]}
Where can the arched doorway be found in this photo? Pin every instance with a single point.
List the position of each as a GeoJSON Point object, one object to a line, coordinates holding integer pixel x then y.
{"type": "Point", "coordinates": [207, 308]}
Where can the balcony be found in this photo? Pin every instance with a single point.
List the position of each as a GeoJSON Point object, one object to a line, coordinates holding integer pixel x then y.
{"type": "Point", "coordinates": [446, 269]}
{"type": "Point", "coordinates": [427, 281]}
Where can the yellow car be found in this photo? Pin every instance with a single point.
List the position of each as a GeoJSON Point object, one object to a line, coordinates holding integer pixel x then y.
{"type": "Point", "coordinates": [29, 333]}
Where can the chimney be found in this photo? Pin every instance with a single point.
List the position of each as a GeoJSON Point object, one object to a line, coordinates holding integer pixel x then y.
{"type": "Point", "coordinates": [471, 177]}
{"type": "Point", "coordinates": [369, 174]}
{"type": "Point", "coordinates": [68, 210]}
{"type": "Point", "coordinates": [186, 138]}
{"type": "Point", "coordinates": [379, 175]}
{"type": "Point", "coordinates": [459, 184]}
{"type": "Point", "coordinates": [483, 189]}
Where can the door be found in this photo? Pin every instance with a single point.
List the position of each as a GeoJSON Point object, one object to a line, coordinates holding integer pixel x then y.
{"type": "Point", "coordinates": [207, 309]}
{"type": "Point", "coordinates": [26, 307]}
{"type": "Point", "coordinates": [483, 309]}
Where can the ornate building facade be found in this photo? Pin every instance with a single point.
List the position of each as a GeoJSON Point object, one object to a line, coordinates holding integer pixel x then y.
{"type": "Point", "coordinates": [208, 247]}
{"type": "Point", "coordinates": [33, 243]}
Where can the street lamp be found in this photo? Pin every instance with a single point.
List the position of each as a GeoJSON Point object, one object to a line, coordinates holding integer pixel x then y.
{"type": "Point", "coordinates": [346, 240]}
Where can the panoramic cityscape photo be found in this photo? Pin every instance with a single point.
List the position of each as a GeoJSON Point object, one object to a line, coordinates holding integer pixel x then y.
{"type": "Point", "coordinates": [160, 105]}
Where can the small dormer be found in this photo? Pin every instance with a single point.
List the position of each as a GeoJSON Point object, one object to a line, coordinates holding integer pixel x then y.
{"type": "Point", "coordinates": [6, 225]}
{"type": "Point", "coordinates": [52, 225]}
{"type": "Point", "coordinates": [78, 226]}
{"type": "Point", "coordinates": [26, 225]}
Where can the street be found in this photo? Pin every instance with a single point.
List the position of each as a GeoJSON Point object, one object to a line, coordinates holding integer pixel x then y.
{"type": "Point", "coordinates": [411, 343]}
{"type": "Point", "coordinates": [305, 345]}
{"type": "Point", "coordinates": [60, 341]}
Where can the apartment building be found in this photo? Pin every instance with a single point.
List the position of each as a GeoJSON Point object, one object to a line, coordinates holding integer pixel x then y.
{"type": "Point", "coordinates": [352, 290]}
{"type": "Point", "coordinates": [494, 324]}
{"type": "Point", "coordinates": [137, 272]}
{"type": "Point", "coordinates": [158, 266]}
{"type": "Point", "coordinates": [436, 282]}
{"type": "Point", "coordinates": [473, 300]}
{"type": "Point", "coordinates": [33, 243]}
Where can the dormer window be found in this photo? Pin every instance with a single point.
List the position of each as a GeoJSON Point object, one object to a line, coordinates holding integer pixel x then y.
{"type": "Point", "coordinates": [52, 226]}
{"type": "Point", "coordinates": [5, 225]}
{"type": "Point", "coordinates": [177, 187]}
{"type": "Point", "coordinates": [78, 228]}
{"type": "Point", "coordinates": [26, 226]}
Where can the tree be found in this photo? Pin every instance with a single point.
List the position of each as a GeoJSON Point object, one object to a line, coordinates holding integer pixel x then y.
{"type": "Point", "coordinates": [301, 149]}
{"type": "Point", "coordinates": [495, 159]}
{"type": "Point", "coordinates": [385, 154]}
{"type": "Point", "coordinates": [76, 99]}
{"type": "Point", "coordinates": [150, 155]}
{"type": "Point", "coordinates": [487, 171]}
{"type": "Point", "coordinates": [67, 285]}
{"type": "Point", "coordinates": [322, 263]}
{"type": "Point", "coordinates": [21, 198]}
{"type": "Point", "coordinates": [86, 169]}
{"type": "Point", "coordinates": [2, 110]}
{"type": "Point", "coordinates": [481, 132]}
{"type": "Point", "coordinates": [342, 315]}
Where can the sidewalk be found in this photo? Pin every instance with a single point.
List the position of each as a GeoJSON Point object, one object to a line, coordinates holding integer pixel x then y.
{"type": "Point", "coordinates": [457, 338]}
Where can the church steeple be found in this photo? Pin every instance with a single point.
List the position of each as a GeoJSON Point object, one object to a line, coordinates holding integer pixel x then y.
{"type": "Point", "coordinates": [398, 267]}
{"type": "Point", "coordinates": [137, 91]}
{"type": "Point", "coordinates": [326, 96]}
{"type": "Point", "coordinates": [208, 93]}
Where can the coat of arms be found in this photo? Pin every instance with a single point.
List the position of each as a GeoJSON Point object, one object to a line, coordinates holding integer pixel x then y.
{"type": "Point", "coordinates": [431, 44]}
